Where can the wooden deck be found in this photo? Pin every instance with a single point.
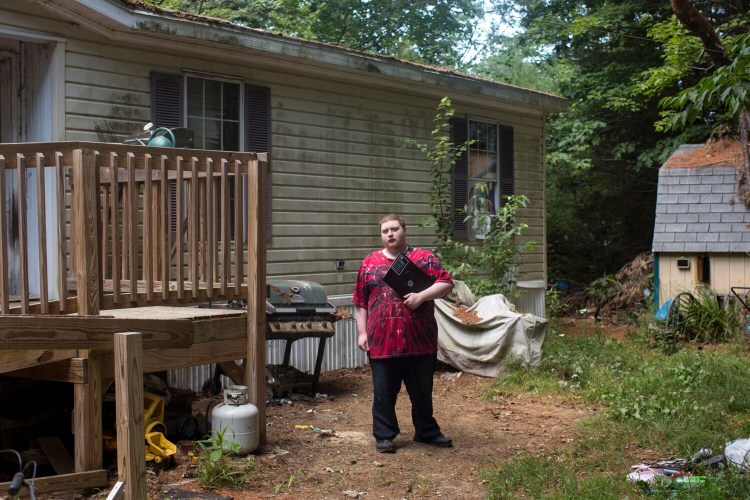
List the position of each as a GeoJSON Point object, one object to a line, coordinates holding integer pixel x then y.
{"type": "Point", "coordinates": [87, 220]}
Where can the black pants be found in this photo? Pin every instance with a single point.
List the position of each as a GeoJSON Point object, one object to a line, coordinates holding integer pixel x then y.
{"type": "Point", "coordinates": [416, 373]}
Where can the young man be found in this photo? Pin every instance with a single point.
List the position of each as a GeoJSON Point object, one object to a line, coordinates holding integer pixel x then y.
{"type": "Point", "coordinates": [400, 337]}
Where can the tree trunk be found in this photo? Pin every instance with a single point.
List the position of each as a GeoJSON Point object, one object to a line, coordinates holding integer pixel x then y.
{"type": "Point", "coordinates": [700, 27]}
{"type": "Point", "coordinates": [743, 181]}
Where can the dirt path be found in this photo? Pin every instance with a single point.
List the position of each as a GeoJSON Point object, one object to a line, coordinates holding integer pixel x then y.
{"type": "Point", "coordinates": [309, 463]}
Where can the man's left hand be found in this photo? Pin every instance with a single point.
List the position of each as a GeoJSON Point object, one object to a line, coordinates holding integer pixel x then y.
{"type": "Point", "coordinates": [413, 300]}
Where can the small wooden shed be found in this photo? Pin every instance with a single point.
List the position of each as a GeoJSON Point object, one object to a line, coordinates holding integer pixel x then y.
{"type": "Point", "coordinates": [702, 229]}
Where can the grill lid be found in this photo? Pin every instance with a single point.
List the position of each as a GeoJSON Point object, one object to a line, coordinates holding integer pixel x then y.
{"type": "Point", "coordinates": [296, 297]}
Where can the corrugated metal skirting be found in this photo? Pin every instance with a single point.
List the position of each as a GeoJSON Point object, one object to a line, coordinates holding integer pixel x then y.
{"type": "Point", "coordinates": [340, 352]}
{"type": "Point", "coordinates": [531, 300]}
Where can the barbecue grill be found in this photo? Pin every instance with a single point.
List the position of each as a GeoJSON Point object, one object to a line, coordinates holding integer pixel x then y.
{"type": "Point", "coordinates": [296, 310]}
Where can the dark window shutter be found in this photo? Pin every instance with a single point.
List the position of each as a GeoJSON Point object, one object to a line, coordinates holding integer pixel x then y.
{"type": "Point", "coordinates": [166, 100]}
{"type": "Point", "coordinates": [166, 111]}
{"type": "Point", "coordinates": [507, 166]}
{"type": "Point", "coordinates": [459, 180]}
{"type": "Point", "coordinates": [258, 129]}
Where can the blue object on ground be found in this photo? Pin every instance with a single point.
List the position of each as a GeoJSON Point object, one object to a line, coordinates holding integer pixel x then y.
{"type": "Point", "coordinates": [562, 285]}
{"type": "Point", "coordinates": [663, 311]}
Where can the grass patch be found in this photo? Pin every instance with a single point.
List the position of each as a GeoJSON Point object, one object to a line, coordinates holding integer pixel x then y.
{"type": "Point", "coordinates": [217, 468]}
{"type": "Point", "coordinates": [287, 484]}
{"type": "Point", "coordinates": [672, 405]}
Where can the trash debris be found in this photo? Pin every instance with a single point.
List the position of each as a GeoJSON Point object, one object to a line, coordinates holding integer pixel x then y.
{"type": "Point", "coordinates": [281, 380]}
{"type": "Point", "coordinates": [737, 453]}
{"type": "Point", "coordinates": [323, 432]}
{"type": "Point", "coordinates": [353, 493]}
{"type": "Point", "coordinates": [645, 473]}
{"type": "Point", "coordinates": [673, 474]}
{"type": "Point", "coordinates": [702, 454]}
{"type": "Point", "coordinates": [689, 482]}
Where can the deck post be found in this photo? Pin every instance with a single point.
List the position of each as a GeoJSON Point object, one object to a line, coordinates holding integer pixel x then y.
{"type": "Point", "coordinates": [85, 215]}
{"type": "Point", "coordinates": [131, 455]}
{"type": "Point", "coordinates": [255, 366]}
{"type": "Point", "coordinates": [87, 398]}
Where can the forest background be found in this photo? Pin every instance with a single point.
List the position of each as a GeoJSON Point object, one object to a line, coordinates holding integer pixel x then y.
{"type": "Point", "coordinates": [615, 60]}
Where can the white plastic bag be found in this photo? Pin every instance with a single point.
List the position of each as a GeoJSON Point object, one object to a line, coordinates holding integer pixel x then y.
{"type": "Point", "coordinates": [646, 474]}
{"type": "Point", "coordinates": [737, 453]}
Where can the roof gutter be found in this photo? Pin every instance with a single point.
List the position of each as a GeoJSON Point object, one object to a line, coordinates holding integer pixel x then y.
{"type": "Point", "coordinates": [130, 21]}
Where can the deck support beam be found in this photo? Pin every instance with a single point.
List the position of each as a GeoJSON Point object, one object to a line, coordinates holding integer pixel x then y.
{"type": "Point", "coordinates": [255, 360]}
{"type": "Point", "coordinates": [131, 455]}
{"type": "Point", "coordinates": [87, 416]}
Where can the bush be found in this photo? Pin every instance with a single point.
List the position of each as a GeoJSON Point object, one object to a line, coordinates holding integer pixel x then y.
{"type": "Point", "coordinates": [490, 264]}
{"type": "Point", "coordinates": [700, 317]}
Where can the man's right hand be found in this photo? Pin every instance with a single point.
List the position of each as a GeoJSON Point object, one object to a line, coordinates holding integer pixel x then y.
{"type": "Point", "coordinates": [362, 342]}
{"type": "Point", "coordinates": [361, 315]}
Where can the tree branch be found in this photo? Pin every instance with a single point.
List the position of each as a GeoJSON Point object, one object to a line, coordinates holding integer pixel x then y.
{"type": "Point", "coordinates": [700, 27]}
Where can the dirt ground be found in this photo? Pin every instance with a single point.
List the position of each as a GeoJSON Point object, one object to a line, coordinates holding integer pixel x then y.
{"type": "Point", "coordinates": [322, 447]}
{"type": "Point", "coordinates": [312, 463]}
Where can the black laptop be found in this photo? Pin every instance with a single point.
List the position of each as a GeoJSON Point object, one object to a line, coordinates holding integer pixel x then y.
{"type": "Point", "coordinates": [405, 277]}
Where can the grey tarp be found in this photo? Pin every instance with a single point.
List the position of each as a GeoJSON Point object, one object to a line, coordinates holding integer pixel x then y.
{"type": "Point", "coordinates": [497, 335]}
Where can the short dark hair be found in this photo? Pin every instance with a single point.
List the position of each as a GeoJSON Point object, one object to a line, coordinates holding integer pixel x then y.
{"type": "Point", "coordinates": [391, 217]}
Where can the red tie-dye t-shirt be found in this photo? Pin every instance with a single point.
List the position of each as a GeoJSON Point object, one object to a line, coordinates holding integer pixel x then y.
{"type": "Point", "coordinates": [392, 328]}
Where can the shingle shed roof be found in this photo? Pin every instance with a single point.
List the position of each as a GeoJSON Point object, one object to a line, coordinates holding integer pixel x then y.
{"type": "Point", "coordinates": [697, 210]}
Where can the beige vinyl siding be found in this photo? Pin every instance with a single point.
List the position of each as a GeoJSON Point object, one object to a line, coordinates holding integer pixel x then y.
{"type": "Point", "coordinates": [673, 281]}
{"type": "Point", "coordinates": [727, 270]}
{"type": "Point", "coordinates": [338, 162]}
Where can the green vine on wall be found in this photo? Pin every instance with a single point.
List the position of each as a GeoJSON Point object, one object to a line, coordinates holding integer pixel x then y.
{"type": "Point", "coordinates": [490, 263]}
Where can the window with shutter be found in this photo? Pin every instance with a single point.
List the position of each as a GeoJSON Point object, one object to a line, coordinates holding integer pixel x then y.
{"type": "Point", "coordinates": [489, 160]}
{"type": "Point", "coordinates": [211, 107]}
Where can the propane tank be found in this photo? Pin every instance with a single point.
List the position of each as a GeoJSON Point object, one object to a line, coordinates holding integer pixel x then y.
{"type": "Point", "coordinates": [237, 419]}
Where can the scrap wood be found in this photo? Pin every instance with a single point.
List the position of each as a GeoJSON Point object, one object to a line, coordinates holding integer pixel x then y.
{"type": "Point", "coordinates": [58, 456]}
{"type": "Point", "coordinates": [633, 278]}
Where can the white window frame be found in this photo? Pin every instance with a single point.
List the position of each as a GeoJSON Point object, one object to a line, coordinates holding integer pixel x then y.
{"type": "Point", "coordinates": [240, 103]}
{"type": "Point", "coordinates": [479, 233]}
{"type": "Point", "coordinates": [496, 201]}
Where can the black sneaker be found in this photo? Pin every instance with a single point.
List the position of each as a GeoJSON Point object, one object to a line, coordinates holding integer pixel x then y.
{"type": "Point", "coordinates": [384, 446]}
{"type": "Point", "coordinates": [441, 441]}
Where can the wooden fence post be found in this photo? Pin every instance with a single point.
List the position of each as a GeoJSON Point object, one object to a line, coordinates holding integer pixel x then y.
{"type": "Point", "coordinates": [255, 364]}
{"type": "Point", "coordinates": [131, 454]}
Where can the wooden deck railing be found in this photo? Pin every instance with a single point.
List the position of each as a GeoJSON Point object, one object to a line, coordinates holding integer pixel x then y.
{"type": "Point", "coordinates": [89, 226]}
{"type": "Point", "coordinates": [92, 226]}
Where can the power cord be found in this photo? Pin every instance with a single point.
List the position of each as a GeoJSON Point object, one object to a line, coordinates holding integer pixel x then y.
{"type": "Point", "coordinates": [19, 479]}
